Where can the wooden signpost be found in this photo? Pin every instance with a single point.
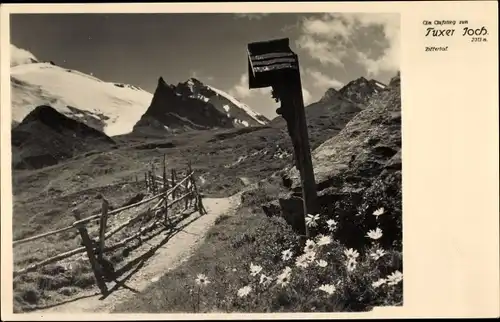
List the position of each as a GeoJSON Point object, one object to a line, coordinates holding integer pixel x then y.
{"type": "Point", "coordinates": [273, 63]}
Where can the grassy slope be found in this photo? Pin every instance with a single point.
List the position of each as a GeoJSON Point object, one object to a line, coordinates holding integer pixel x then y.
{"type": "Point", "coordinates": [246, 237]}
{"type": "Point", "coordinates": [43, 198]}
{"type": "Point", "coordinates": [221, 158]}
{"type": "Point", "coordinates": [250, 237]}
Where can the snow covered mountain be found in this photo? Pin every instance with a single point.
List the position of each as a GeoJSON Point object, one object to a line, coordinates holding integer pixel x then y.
{"type": "Point", "coordinates": [194, 105]}
{"type": "Point", "coordinates": [112, 108]}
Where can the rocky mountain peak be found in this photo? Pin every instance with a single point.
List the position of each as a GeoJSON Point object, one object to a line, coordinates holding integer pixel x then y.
{"type": "Point", "coordinates": [396, 80]}
{"type": "Point", "coordinates": [194, 105]}
{"type": "Point", "coordinates": [161, 82]}
{"type": "Point", "coordinates": [361, 90]}
{"type": "Point", "coordinates": [330, 94]}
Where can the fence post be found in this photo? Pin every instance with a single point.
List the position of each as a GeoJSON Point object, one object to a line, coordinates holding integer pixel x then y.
{"type": "Point", "coordinates": [198, 202]}
{"type": "Point", "coordinates": [150, 183]}
{"type": "Point", "coordinates": [173, 184]}
{"type": "Point", "coordinates": [165, 211]}
{"type": "Point", "coordinates": [153, 178]}
{"type": "Point", "coordinates": [177, 190]}
{"type": "Point", "coordinates": [186, 199]}
{"type": "Point", "coordinates": [102, 228]}
{"type": "Point", "coordinates": [164, 173]}
{"type": "Point", "coordinates": [146, 181]}
{"type": "Point", "coordinates": [87, 242]}
{"type": "Point", "coordinates": [189, 187]}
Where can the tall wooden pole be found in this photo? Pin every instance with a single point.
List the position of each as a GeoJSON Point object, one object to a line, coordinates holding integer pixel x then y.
{"type": "Point", "coordinates": [309, 193]}
{"type": "Point", "coordinates": [273, 63]}
{"type": "Point", "coordinates": [289, 92]}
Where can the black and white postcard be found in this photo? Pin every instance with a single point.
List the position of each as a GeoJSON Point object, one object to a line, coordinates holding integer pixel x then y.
{"type": "Point", "coordinates": [271, 160]}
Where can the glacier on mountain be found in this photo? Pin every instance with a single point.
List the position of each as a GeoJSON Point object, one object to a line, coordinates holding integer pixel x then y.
{"type": "Point", "coordinates": [117, 107]}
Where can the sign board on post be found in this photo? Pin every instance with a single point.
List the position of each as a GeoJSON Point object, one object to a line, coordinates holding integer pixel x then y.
{"type": "Point", "coordinates": [273, 63]}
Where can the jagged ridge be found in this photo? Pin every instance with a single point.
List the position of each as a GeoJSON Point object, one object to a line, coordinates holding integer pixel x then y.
{"type": "Point", "coordinates": [194, 105]}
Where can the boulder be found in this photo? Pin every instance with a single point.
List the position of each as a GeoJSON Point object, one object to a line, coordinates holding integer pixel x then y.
{"type": "Point", "coordinates": [357, 171]}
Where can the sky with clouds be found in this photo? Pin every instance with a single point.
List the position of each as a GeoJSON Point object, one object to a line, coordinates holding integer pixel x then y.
{"type": "Point", "coordinates": [333, 48]}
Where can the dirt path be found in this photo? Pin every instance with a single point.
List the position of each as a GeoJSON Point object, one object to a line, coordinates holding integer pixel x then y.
{"type": "Point", "coordinates": [169, 253]}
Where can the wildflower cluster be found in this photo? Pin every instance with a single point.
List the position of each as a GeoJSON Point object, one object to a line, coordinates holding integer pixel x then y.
{"type": "Point", "coordinates": [321, 267]}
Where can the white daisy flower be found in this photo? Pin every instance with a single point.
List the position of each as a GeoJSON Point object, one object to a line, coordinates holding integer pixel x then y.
{"type": "Point", "coordinates": [332, 224]}
{"type": "Point", "coordinates": [327, 288]}
{"type": "Point", "coordinates": [375, 234]}
{"type": "Point", "coordinates": [286, 254]}
{"type": "Point", "coordinates": [302, 261]}
{"type": "Point", "coordinates": [377, 254]}
{"type": "Point", "coordinates": [394, 278]}
{"type": "Point", "coordinates": [379, 283]}
{"type": "Point", "coordinates": [324, 240]}
{"type": "Point", "coordinates": [310, 257]}
{"type": "Point", "coordinates": [351, 264]}
{"type": "Point", "coordinates": [310, 246]}
{"type": "Point", "coordinates": [312, 220]}
{"type": "Point", "coordinates": [351, 253]}
{"type": "Point", "coordinates": [284, 278]}
{"type": "Point", "coordinates": [321, 263]}
{"type": "Point", "coordinates": [255, 269]}
{"type": "Point", "coordinates": [379, 212]}
{"type": "Point", "coordinates": [265, 280]}
{"type": "Point", "coordinates": [244, 291]}
{"type": "Point", "coordinates": [202, 280]}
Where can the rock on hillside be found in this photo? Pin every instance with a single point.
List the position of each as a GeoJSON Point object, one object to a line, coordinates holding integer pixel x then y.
{"type": "Point", "coordinates": [326, 117]}
{"type": "Point", "coordinates": [46, 137]}
{"type": "Point", "coordinates": [194, 105]}
{"type": "Point", "coordinates": [356, 171]}
{"type": "Point", "coordinates": [337, 107]}
{"type": "Point", "coordinates": [333, 110]}
{"type": "Point", "coordinates": [371, 137]}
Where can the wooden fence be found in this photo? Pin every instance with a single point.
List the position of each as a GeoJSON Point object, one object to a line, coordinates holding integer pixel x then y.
{"type": "Point", "coordinates": [167, 191]}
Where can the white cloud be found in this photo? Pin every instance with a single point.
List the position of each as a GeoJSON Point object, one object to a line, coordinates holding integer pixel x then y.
{"type": "Point", "coordinates": [389, 60]}
{"type": "Point", "coordinates": [331, 38]}
{"type": "Point", "coordinates": [324, 51]}
{"type": "Point", "coordinates": [196, 75]}
{"type": "Point", "coordinates": [19, 56]}
{"type": "Point", "coordinates": [242, 90]}
{"type": "Point", "coordinates": [329, 29]}
{"type": "Point", "coordinates": [306, 95]}
{"type": "Point", "coordinates": [252, 16]}
{"type": "Point", "coordinates": [322, 81]}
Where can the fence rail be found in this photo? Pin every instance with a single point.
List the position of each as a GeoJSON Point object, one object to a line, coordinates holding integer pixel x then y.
{"type": "Point", "coordinates": [96, 217]}
{"type": "Point", "coordinates": [161, 187]}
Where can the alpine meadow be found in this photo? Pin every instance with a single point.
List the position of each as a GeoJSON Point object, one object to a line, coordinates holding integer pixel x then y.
{"type": "Point", "coordinates": [206, 163]}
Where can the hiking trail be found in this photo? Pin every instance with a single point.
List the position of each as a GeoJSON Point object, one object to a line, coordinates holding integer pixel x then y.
{"type": "Point", "coordinates": [174, 246]}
